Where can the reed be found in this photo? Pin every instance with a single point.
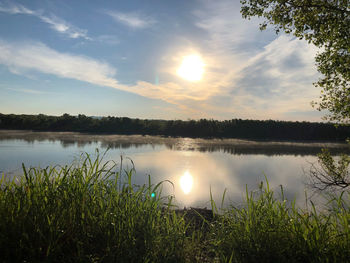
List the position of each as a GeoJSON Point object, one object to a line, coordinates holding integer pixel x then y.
{"type": "Point", "coordinates": [271, 229]}
{"type": "Point", "coordinates": [91, 212]}
{"type": "Point", "coordinates": [86, 213]}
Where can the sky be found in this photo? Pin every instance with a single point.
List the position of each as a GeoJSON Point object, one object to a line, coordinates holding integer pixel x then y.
{"type": "Point", "coordinates": [125, 58]}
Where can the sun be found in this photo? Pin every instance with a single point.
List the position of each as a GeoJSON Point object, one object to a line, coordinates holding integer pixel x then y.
{"type": "Point", "coordinates": [191, 68]}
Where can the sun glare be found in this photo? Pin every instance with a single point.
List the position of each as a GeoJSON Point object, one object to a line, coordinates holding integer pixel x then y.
{"type": "Point", "coordinates": [186, 182]}
{"type": "Point", "coordinates": [191, 68]}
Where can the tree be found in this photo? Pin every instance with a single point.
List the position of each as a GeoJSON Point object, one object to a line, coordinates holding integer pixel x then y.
{"type": "Point", "coordinates": [330, 173]}
{"type": "Point", "coordinates": [326, 24]}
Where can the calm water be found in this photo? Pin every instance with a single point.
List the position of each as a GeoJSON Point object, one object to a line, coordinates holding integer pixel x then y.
{"type": "Point", "coordinates": [193, 165]}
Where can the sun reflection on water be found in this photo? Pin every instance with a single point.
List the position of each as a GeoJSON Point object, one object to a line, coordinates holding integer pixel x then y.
{"type": "Point", "coordinates": [186, 182]}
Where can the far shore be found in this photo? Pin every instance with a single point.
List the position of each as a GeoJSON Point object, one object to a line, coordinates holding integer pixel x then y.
{"type": "Point", "coordinates": [234, 146]}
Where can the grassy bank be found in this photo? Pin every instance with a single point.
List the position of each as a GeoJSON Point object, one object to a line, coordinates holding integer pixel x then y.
{"type": "Point", "coordinates": [91, 212]}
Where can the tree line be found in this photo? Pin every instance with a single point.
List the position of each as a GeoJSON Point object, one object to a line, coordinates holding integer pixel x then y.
{"type": "Point", "coordinates": [203, 128]}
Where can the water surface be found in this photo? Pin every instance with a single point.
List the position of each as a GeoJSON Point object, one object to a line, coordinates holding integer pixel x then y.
{"type": "Point", "coordinates": [194, 166]}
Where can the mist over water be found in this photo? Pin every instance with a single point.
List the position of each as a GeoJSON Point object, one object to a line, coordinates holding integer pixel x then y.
{"type": "Point", "coordinates": [194, 166]}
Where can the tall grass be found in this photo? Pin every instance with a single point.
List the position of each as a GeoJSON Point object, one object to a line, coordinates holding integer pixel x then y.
{"type": "Point", "coordinates": [92, 212]}
{"type": "Point", "coordinates": [269, 229]}
{"type": "Point", "coordinates": [86, 213]}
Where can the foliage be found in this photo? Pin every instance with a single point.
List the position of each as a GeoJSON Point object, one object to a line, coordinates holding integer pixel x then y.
{"type": "Point", "coordinates": [235, 128]}
{"type": "Point", "coordinates": [86, 213]}
{"type": "Point", "coordinates": [267, 229]}
{"type": "Point", "coordinates": [90, 213]}
{"type": "Point", "coordinates": [325, 23]}
{"type": "Point", "coordinates": [332, 173]}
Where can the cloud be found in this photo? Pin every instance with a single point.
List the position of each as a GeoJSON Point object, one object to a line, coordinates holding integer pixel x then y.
{"type": "Point", "coordinates": [265, 86]}
{"type": "Point", "coordinates": [280, 77]}
{"type": "Point", "coordinates": [31, 57]}
{"type": "Point", "coordinates": [133, 20]}
{"type": "Point", "coordinates": [248, 73]}
{"type": "Point", "coordinates": [16, 9]}
{"type": "Point", "coordinates": [63, 27]}
{"type": "Point", "coordinates": [228, 32]}
{"type": "Point", "coordinates": [108, 39]}
{"type": "Point", "coordinates": [30, 91]}
{"type": "Point", "coordinates": [276, 83]}
{"type": "Point", "coordinates": [254, 74]}
{"type": "Point", "coordinates": [55, 22]}
{"type": "Point", "coordinates": [25, 58]}
{"type": "Point", "coordinates": [21, 58]}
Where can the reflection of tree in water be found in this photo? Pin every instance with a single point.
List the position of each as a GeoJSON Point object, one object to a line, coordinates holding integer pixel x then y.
{"type": "Point", "coordinates": [237, 147]}
{"type": "Point", "coordinates": [72, 143]}
{"type": "Point", "coordinates": [269, 150]}
{"type": "Point", "coordinates": [67, 143]}
{"type": "Point", "coordinates": [121, 145]}
{"type": "Point", "coordinates": [266, 148]}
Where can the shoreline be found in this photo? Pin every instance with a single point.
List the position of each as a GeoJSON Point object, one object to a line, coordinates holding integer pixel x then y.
{"type": "Point", "coordinates": [232, 146]}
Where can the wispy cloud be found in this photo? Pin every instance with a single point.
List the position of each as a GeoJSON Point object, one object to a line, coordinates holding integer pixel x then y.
{"type": "Point", "coordinates": [228, 31]}
{"type": "Point", "coordinates": [15, 9]}
{"type": "Point", "coordinates": [278, 80]}
{"type": "Point", "coordinates": [260, 75]}
{"type": "Point", "coordinates": [133, 20]}
{"type": "Point", "coordinates": [30, 91]}
{"type": "Point", "coordinates": [268, 85]}
{"type": "Point", "coordinates": [64, 27]}
{"type": "Point", "coordinates": [53, 21]}
{"type": "Point", "coordinates": [28, 57]}
{"type": "Point", "coordinates": [108, 39]}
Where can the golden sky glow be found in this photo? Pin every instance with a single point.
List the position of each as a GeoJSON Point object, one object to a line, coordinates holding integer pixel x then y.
{"type": "Point", "coordinates": [191, 68]}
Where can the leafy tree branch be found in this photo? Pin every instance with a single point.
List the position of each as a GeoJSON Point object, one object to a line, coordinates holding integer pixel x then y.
{"type": "Point", "coordinates": [326, 24]}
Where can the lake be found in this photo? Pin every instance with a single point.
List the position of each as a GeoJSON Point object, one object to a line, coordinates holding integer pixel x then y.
{"type": "Point", "coordinates": [194, 166]}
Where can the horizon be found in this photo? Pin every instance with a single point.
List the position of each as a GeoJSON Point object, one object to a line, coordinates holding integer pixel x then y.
{"type": "Point", "coordinates": [156, 60]}
{"type": "Point", "coordinates": [184, 120]}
